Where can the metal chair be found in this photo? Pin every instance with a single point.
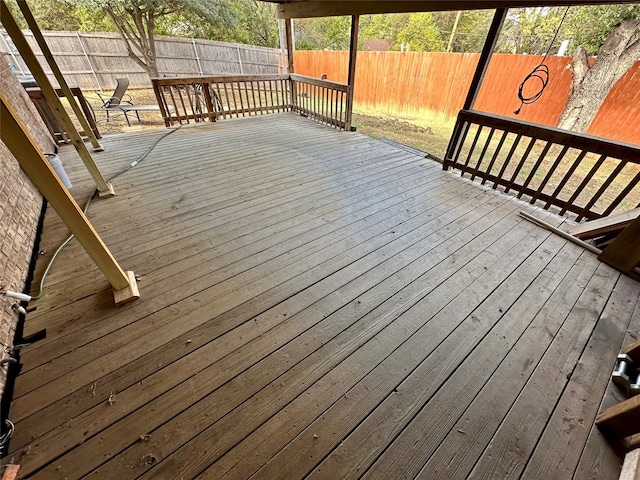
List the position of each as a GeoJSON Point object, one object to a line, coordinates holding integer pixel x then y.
{"type": "Point", "coordinates": [120, 101]}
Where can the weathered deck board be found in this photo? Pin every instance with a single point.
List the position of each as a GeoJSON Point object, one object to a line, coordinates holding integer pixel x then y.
{"type": "Point", "coordinates": [315, 303]}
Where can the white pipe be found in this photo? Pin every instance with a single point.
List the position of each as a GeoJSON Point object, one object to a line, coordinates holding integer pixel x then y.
{"type": "Point", "coordinates": [195, 49]}
{"type": "Point", "coordinates": [88, 60]}
{"type": "Point", "coordinates": [18, 296]}
{"type": "Point", "coordinates": [11, 53]}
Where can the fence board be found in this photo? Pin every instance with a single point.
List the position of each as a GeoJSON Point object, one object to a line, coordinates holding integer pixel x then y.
{"type": "Point", "coordinates": [94, 60]}
{"type": "Point", "coordinates": [411, 83]}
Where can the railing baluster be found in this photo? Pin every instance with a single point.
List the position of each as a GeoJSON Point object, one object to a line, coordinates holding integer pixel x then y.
{"type": "Point", "coordinates": [226, 94]}
{"type": "Point", "coordinates": [206, 91]}
{"type": "Point", "coordinates": [188, 89]}
{"type": "Point", "coordinates": [271, 95]}
{"type": "Point", "coordinates": [520, 164]}
{"type": "Point", "coordinates": [550, 173]}
{"type": "Point", "coordinates": [566, 178]}
{"type": "Point", "coordinates": [601, 190]}
{"type": "Point", "coordinates": [622, 195]}
{"type": "Point", "coordinates": [186, 115]}
{"type": "Point", "coordinates": [242, 108]}
{"type": "Point", "coordinates": [535, 168]}
{"type": "Point", "coordinates": [483, 153]}
{"type": "Point", "coordinates": [472, 148]}
{"type": "Point", "coordinates": [503, 137]}
{"type": "Point", "coordinates": [584, 183]}
{"type": "Point", "coordinates": [507, 160]}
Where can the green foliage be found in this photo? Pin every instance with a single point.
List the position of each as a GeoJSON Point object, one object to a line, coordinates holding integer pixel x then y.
{"type": "Point", "coordinates": [589, 26]}
{"type": "Point", "coordinates": [381, 27]}
{"type": "Point", "coordinates": [471, 30]}
{"type": "Point", "coordinates": [421, 33]}
{"type": "Point", "coordinates": [530, 30]}
{"type": "Point", "coordinates": [63, 16]}
{"type": "Point", "coordinates": [329, 33]}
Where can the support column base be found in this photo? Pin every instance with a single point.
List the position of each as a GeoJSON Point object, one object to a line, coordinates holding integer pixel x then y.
{"type": "Point", "coordinates": [98, 148]}
{"type": "Point", "coordinates": [127, 294]}
{"type": "Point", "coordinates": [107, 193]}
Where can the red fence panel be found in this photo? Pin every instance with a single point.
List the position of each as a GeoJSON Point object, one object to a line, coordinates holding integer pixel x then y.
{"type": "Point", "coordinates": [414, 82]}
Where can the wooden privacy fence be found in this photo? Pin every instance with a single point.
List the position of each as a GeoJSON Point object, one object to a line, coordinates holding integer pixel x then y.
{"type": "Point", "coordinates": [93, 60]}
{"type": "Point", "coordinates": [415, 82]}
{"type": "Point", "coordinates": [199, 99]}
{"type": "Point", "coordinates": [588, 176]}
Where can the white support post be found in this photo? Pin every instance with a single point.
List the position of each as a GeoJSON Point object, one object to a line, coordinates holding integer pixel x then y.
{"type": "Point", "coordinates": [195, 49]}
{"type": "Point", "coordinates": [86, 56]}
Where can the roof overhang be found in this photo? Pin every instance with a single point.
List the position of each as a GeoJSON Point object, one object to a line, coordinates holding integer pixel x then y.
{"type": "Point", "coordinates": [329, 8]}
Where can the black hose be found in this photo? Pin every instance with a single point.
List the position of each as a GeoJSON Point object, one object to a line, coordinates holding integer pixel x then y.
{"type": "Point", "coordinates": [540, 74]}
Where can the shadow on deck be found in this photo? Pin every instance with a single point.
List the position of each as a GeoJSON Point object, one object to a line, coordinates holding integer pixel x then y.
{"type": "Point", "coordinates": [315, 304]}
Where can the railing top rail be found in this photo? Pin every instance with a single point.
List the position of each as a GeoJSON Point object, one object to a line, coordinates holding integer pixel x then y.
{"type": "Point", "coordinates": [319, 82]}
{"type": "Point", "coordinates": [581, 141]}
{"type": "Point", "coordinates": [218, 78]}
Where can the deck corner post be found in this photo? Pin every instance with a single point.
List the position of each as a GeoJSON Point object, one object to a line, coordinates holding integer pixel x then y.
{"type": "Point", "coordinates": [288, 34]}
{"type": "Point", "coordinates": [485, 57]}
{"type": "Point", "coordinates": [353, 55]}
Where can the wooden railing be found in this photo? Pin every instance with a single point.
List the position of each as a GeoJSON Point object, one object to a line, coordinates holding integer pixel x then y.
{"type": "Point", "coordinates": [209, 98]}
{"type": "Point", "coordinates": [199, 99]}
{"type": "Point", "coordinates": [588, 176]}
{"type": "Point", "coordinates": [321, 100]}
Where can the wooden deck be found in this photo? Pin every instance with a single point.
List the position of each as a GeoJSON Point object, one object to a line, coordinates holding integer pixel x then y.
{"type": "Point", "coordinates": [315, 304]}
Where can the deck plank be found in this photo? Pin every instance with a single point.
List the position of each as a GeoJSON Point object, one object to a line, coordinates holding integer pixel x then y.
{"type": "Point", "coordinates": [314, 303]}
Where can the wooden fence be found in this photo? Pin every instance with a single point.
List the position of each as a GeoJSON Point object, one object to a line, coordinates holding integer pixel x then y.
{"type": "Point", "coordinates": [92, 61]}
{"type": "Point", "coordinates": [414, 83]}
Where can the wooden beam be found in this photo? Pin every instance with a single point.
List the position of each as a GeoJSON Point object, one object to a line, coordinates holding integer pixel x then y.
{"type": "Point", "coordinates": [15, 136]}
{"type": "Point", "coordinates": [353, 56]}
{"type": "Point", "coordinates": [288, 33]}
{"type": "Point", "coordinates": [624, 252]}
{"type": "Point", "coordinates": [52, 98]}
{"type": "Point", "coordinates": [330, 8]}
{"type": "Point", "coordinates": [485, 57]}
{"type": "Point", "coordinates": [37, 34]}
{"type": "Point", "coordinates": [604, 225]}
{"type": "Point", "coordinates": [621, 420]}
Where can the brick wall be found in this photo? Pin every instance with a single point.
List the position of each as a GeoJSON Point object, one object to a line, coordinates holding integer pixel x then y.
{"type": "Point", "coordinates": [20, 204]}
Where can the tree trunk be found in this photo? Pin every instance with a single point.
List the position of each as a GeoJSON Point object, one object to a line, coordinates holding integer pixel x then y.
{"type": "Point", "coordinates": [591, 86]}
{"type": "Point", "coordinates": [140, 36]}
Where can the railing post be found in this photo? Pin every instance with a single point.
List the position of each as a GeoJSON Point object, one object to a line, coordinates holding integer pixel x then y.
{"type": "Point", "coordinates": [24, 149]}
{"type": "Point", "coordinates": [353, 54]}
{"type": "Point", "coordinates": [288, 32]}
